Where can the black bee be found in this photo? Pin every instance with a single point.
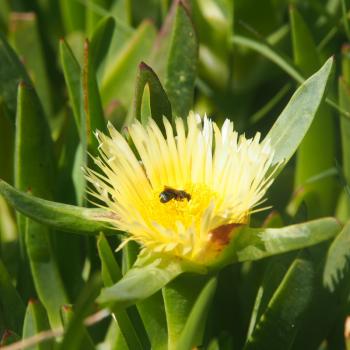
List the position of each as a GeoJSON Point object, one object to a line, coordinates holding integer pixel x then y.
{"type": "Point", "coordinates": [170, 193]}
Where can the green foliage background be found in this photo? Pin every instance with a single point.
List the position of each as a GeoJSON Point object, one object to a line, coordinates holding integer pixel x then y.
{"type": "Point", "coordinates": [68, 66]}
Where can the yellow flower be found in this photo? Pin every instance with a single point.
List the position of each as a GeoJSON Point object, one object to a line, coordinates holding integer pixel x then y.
{"type": "Point", "coordinates": [181, 195]}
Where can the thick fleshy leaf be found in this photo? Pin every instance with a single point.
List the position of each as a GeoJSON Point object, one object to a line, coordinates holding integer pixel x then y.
{"type": "Point", "coordinates": [11, 72]}
{"type": "Point", "coordinates": [213, 21]}
{"type": "Point", "coordinates": [273, 276]}
{"type": "Point", "coordinates": [92, 115]}
{"type": "Point", "coordinates": [152, 313]}
{"type": "Point", "coordinates": [149, 9]}
{"type": "Point", "coordinates": [294, 121]}
{"type": "Point", "coordinates": [285, 310]}
{"type": "Point", "coordinates": [12, 307]}
{"type": "Point", "coordinates": [344, 101]}
{"type": "Point", "coordinates": [120, 72]}
{"type": "Point", "coordinates": [67, 315]}
{"type": "Point", "coordinates": [175, 58]}
{"type": "Point", "coordinates": [180, 296]}
{"type": "Point", "coordinates": [110, 270]}
{"type": "Point", "coordinates": [182, 63]}
{"type": "Point", "coordinates": [71, 72]}
{"type": "Point", "coordinates": [306, 57]}
{"type": "Point", "coordinates": [6, 143]}
{"type": "Point", "coordinates": [24, 35]}
{"type": "Point", "coordinates": [315, 327]}
{"type": "Point", "coordinates": [256, 243]}
{"type": "Point", "coordinates": [74, 333]}
{"type": "Point", "coordinates": [159, 102]}
{"type": "Point", "coordinates": [100, 40]}
{"type": "Point", "coordinates": [34, 168]}
{"type": "Point", "coordinates": [151, 275]}
{"type": "Point", "coordinates": [36, 321]}
{"type": "Point", "coordinates": [57, 215]}
{"type": "Point", "coordinates": [192, 334]}
{"type": "Point", "coordinates": [111, 274]}
{"type": "Point", "coordinates": [320, 136]}
{"type": "Point", "coordinates": [4, 13]}
{"type": "Point", "coordinates": [91, 119]}
{"type": "Point", "coordinates": [93, 14]}
{"type": "Point", "coordinates": [304, 205]}
{"type": "Point", "coordinates": [46, 275]}
{"type": "Point", "coordinates": [73, 15]}
{"type": "Point", "coordinates": [34, 146]}
{"type": "Point", "coordinates": [338, 256]}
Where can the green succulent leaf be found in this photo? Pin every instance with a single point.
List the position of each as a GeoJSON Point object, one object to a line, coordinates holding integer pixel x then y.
{"type": "Point", "coordinates": [192, 334]}
{"type": "Point", "coordinates": [159, 102]}
{"type": "Point", "coordinates": [256, 243]}
{"type": "Point", "coordinates": [34, 168]}
{"type": "Point", "coordinates": [36, 321]}
{"type": "Point", "coordinates": [94, 11]}
{"type": "Point", "coordinates": [321, 132]}
{"type": "Point", "coordinates": [75, 331]}
{"type": "Point", "coordinates": [11, 73]}
{"type": "Point", "coordinates": [11, 304]}
{"type": "Point", "coordinates": [329, 300]}
{"type": "Point", "coordinates": [120, 73]}
{"type": "Point", "coordinates": [152, 273]}
{"type": "Point", "coordinates": [175, 58]}
{"type": "Point", "coordinates": [285, 310]}
{"type": "Point", "coordinates": [72, 73]}
{"type": "Point", "coordinates": [111, 274]}
{"type": "Point", "coordinates": [92, 114]}
{"type": "Point", "coordinates": [344, 101]}
{"type": "Point", "coordinates": [180, 296]}
{"type": "Point", "coordinates": [24, 35]}
{"type": "Point", "coordinates": [338, 257]}
{"type": "Point", "coordinates": [110, 270]}
{"type": "Point", "coordinates": [274, 273]}
{"type": "Point", "coordinates": [67, 314]}
{"type": "Point", "coordinates": [182, 63]}
{"type": "Point", "coordinates": [64, 217]}
{"type": "Point", "coordinates": [73, 15]}
{"type": "Point", "coordinates": [100, 40]}
{"type": "Point", "coordinates": [294, 121]}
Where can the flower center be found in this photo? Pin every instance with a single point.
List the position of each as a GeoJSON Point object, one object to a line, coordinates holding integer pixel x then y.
{"type": "Point", "coordinates": [170, 206]}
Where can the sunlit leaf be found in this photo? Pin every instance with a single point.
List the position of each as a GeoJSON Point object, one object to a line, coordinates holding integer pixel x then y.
{"type": "Point", "coordinates": [61, 216]}
{"type": "Point", "coordinates": [152, 275]}
{"type": "Point", "coordinates": [159, 102]}
{"type": "Point", "coordinates": [294, 121]}
{"type": "Point", "coordinates": [256, 243]}
{"type": "Point", "coordinates": [120, 73]}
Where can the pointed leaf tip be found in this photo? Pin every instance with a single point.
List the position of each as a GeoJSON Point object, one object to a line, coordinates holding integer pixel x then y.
{"type": "Point", "coordinates": [296, 118]}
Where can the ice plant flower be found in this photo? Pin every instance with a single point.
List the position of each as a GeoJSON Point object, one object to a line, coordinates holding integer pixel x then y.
{"type": "Point", "coordinates": [181, 194]}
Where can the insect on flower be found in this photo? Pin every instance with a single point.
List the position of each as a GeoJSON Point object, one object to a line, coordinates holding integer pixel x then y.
{"type": "Point", "coordinates": [217, 178]}
{"type": "Point", "coordinates": [170, 193]}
